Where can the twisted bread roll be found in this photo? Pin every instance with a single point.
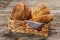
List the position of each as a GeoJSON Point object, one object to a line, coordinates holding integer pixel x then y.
{"type": "Point", "coordinates": [20, 12]}
{"type": "Point", "coordinates": [40, 13]}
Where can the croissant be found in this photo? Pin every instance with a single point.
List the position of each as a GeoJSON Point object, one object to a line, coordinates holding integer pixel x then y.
{"type": "Point", "coordinates": [20, 12]}
{"type": "Point", "coordinates": [40, 9]}
{"type": "Point", "coordinates": [41, 13]}
{"type": "Point", "coordinates": [44, 18]}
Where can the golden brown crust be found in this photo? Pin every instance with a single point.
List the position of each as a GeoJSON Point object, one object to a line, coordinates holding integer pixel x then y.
{"type": "Point", "coordinates": [40, 9]}
{"type": "Point", "coordinates": [20, 12]}
{"type": "Point", "coordinates": [41, 14]}
{"type": "Point", "coordinates": [44, 18]}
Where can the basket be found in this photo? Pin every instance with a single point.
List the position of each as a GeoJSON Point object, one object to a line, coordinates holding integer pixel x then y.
{"type": "Point", "coordinates": [14, 26]}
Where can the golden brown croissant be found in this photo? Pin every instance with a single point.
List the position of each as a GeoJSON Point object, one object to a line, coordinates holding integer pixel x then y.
{"type": "Point", "coordinates": [41, 14]}
{"type": "Point", "coordinates": [20, 12]}
{"type": "Point", "coordinates": [44, 18]}
{"type": "Point", "coordinates": [40, 9]}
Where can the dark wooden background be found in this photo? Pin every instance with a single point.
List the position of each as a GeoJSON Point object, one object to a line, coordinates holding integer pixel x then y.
{"type": "Point", "coordinates": [6, 8]}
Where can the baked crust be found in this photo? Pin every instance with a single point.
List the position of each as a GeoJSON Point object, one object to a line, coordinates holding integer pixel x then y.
{"type": "Point", "coordinates": [20, 12]}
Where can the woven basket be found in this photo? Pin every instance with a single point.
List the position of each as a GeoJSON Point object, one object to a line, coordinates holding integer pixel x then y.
{"type": "Point", "coordinates": [13, 26]}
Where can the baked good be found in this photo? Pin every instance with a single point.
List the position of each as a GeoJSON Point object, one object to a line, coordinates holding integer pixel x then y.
{"type": "Point", "coordinates": [20, 12]}
{"type": "Point", "coordinates": [41, 13]}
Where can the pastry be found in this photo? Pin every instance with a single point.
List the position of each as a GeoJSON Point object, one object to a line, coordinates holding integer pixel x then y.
{"type": "Point", "coordinates": [41, 13]}
{"type": "Point", "coordinates": [20, 12]}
